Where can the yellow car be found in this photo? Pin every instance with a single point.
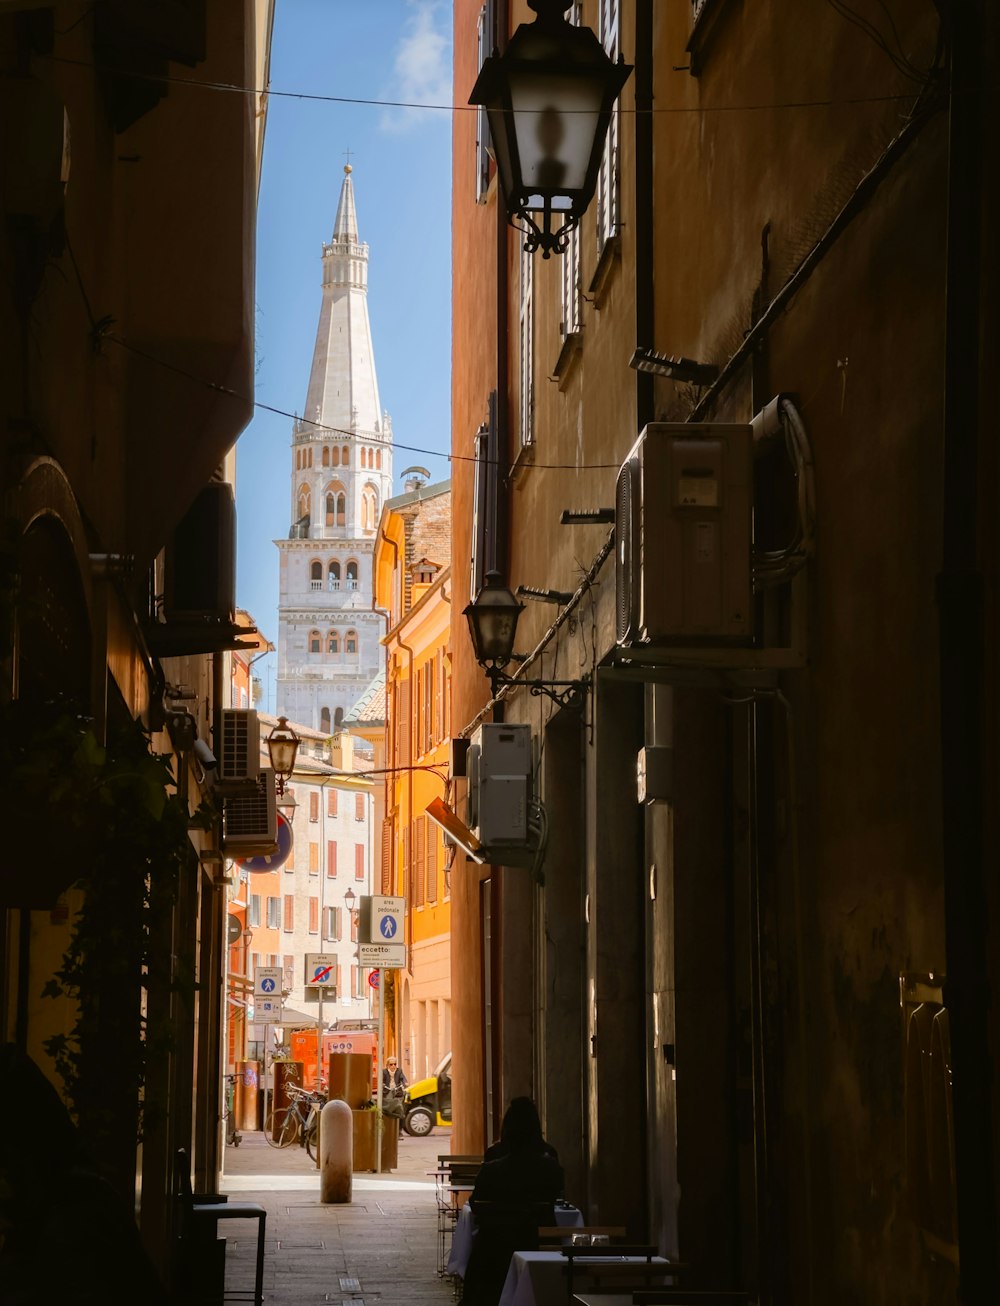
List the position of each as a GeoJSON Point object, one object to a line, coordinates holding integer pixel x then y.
{"type": "Point", "coordinates": [428, 1101]}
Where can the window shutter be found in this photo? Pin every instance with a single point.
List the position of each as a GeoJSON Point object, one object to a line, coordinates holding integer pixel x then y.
{"type": "Point", "coordinates": [314, 807]}
{"type": "Point", "coordinates": [485, 506]}
{"type": "Point", "coordinates": [331, 802]}
{"type": "Point", "coordinates": [387, 855]}
{"type": "Point", "coordinates": [359, 807]}
{"type": "Point", "coordinates": [419, 860]}
{"type": "Point", "coordinates": [314, 859]}
{"type": "Point", "coordinates": [432, 861]}
{"type": "Point", "coordinates": [406, 876]}
{"type": "Point", "coordinates": [403, 757]}
{"type": "Point", "coordinates": [313, 915]}
{"type": "Point", "coordinates": [359, 861]}
{"type": "Point", "coordinates": [289, 911]}
{"type": "Point", "coordinates": [331, 860]}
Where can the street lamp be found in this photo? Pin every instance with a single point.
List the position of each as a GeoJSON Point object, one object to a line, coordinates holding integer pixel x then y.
{"type": "Point", "coordinates": [282, 746]}
{"type": "Point", "coordinates": [350, 898]}
{"type": "Point", "coordinates": [492, 621]}
{"type": "Point", "coordinates": [548, 99]}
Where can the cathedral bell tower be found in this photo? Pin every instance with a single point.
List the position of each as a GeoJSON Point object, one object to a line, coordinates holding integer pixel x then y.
{"type": "Point", "coordinates": [341, 474]}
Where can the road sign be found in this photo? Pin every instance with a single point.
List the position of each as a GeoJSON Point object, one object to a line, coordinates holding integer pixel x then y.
{"type": "Point", "coordinates": [267, 1010]}
{"type": "Point", "coordinates": [387, 919]}
{"type": "Point", "coordinates": [267, 981]}
{"type": "Point", "coordinates": [373, 979]}
{"type": "Point", "coordinates": [391, 956]}
{"type": "Point", "coordinates": [321, 970]}
{"type": "Point", "coordinates": [271, 861]}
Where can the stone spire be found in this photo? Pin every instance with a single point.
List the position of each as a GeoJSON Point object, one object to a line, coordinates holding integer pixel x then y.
{"type": "Point", "coordinates": [343, 388]}
{"type": "Point", "coordinates": [345, 226]}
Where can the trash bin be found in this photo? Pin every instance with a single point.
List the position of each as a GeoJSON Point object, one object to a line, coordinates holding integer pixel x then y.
{"type": "Point", "coordinates": [350, 1078]}
{"type": "Point", "coordinates": [249, 1105]}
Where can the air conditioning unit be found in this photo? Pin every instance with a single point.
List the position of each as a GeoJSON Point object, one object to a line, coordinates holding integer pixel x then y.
{"type": "Point", "coordinates": [498, 766]}
{"type": "Point", "coordinates": [238, 744]}
{"type": "Point", "coordinates": [683, 536]}
{"type": "Point", "coordinates": [250, 819]}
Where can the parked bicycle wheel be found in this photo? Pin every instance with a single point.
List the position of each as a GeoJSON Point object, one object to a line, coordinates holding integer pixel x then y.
{"type": "Point", "coordinates": [312, 1136]}
{"type": "Point", "coordinates": [281, 1128]}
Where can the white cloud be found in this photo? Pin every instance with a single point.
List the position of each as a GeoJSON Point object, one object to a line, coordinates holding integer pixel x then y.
{"type": "Point", "coordinates": [421, 65]}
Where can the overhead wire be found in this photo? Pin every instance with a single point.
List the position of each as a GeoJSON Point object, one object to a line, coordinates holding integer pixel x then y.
{"type": "Point", "coordinates": [374, 102]}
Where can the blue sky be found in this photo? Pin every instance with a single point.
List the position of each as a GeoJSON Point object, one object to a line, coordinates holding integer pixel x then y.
{"type": "Point", "coordinates": [382, 50]}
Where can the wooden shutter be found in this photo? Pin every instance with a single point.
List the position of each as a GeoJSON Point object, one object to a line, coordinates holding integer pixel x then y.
{"type": "Point", "coordinates": [331, 802]}
{"type": "Point", "coordinates": [313, 915]}
{"type": "Point", "coordinates": [289, 911]}
{"type": "Point", "coordinates": [331, 859]}
{"type": "Point", "coordinates": [432, 861]}
{"type": "Point", "coordinates": [359, 861]}
{"type": "Point", "coordinates": [403, 724]}
{"type": "Point", "coordinates": [419, 862]}
{"type": "Point", "coordinates": [387, 855]}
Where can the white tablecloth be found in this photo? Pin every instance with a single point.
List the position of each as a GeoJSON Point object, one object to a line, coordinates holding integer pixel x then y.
{"type": "Point", "coordinates": [465, 1230]}
{"type": "Point", "coordinates": [539, 1278]}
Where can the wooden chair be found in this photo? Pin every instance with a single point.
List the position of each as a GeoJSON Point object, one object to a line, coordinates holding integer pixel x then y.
{"type": "Point", "coordinates": [452, 1168]}
{"type": "Point", "coordinates": [199, 1229]}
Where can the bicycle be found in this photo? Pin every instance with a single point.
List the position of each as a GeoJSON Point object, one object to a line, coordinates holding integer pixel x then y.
{"type": "Point", "coordinates": [233, 1135]}
{"type": "Point", "coordinates": [296, 1123]}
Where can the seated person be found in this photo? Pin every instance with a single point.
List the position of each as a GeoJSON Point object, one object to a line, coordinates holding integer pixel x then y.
{"type": "Point", "coordinates": [521, 1109]}
{"type": "Point", "coordinates": [513, 1195]}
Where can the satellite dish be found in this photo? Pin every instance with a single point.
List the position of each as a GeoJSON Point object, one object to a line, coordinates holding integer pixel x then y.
{"type": "Point", "coordinates": [234, 929]}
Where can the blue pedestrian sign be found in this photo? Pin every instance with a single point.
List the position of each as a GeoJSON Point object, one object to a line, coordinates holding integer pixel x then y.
{"type": "Point", "coordinates": [387, 927]}
{"type": "Point", "coordinates": [386, 922]}
{"type": "Point", "coordinates": [267, 985]}
{"type": "Point", "coordinates": [267, 981]}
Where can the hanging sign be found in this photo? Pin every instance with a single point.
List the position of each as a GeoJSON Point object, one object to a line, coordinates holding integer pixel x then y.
{"type": "Point", "coordinates": [271, 861]}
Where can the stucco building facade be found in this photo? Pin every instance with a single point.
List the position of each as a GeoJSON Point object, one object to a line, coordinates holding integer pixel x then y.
{"type": "Point", "coordinates": [723, 991]}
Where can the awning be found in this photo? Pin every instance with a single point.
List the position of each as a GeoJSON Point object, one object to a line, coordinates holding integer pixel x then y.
{"type": "Point", "coordinates": [292, 1019]}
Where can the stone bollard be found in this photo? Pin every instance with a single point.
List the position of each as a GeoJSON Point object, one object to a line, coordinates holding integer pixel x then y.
{"type": "Point", "coordinates": [336, 1152]}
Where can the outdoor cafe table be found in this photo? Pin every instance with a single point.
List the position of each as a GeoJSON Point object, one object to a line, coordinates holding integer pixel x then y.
{"type": "Point", "coordinates": [465, 1230]}
{"type": "Point", "coordinates": [539, 1278]}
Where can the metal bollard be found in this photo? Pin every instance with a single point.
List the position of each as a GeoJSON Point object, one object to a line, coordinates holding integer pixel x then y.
{"type": "Point", "coordinates": [336, 1152]}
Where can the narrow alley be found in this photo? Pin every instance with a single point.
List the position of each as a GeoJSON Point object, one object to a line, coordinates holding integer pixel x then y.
{"type": "Point", "coordinates": [382, 1247]}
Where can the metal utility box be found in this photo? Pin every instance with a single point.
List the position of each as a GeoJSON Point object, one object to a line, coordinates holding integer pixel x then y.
{"type": "Point", "coordinates": [499, 772]}
{"type": "Point", "coordinates": [683, 535]}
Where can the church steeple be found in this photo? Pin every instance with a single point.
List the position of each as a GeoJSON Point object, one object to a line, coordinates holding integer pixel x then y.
{"type": "Point", "coordinates": [341, 474]}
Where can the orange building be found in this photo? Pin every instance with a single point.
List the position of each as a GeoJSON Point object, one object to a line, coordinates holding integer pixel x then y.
{"type": "Point", "coordinates": [413, 585]}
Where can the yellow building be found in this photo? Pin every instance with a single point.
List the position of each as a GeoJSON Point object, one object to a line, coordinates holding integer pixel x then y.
{"type": "Point", "coordinates": [413, 586]}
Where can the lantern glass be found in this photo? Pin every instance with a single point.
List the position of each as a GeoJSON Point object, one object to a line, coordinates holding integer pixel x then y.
{"type": "Point", "coordinates": [555, 121]}
{"type": "Point", "coordinates": [493, 622]}
{"type": "Point", "coordinates": [282, 747]}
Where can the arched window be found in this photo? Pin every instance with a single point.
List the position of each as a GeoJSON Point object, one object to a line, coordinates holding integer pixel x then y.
{"type": "Point", "coordinates": [335, 456]}
{"type": "Point", "coordinates": [314, 641]}
{"type": "Point", "coordinates": [309, 456]}
{"type": "Point", "coordinates": [338, 718]}
{"type": "Point", "coordinates": [333, 642]}
{"type": "Point", "coordinates": [345, 454]}
{"type": "Point", "coordinates": [298, 460]}
{"type": "Point", "coordinates": [369, 508]}
{"type": "Point", "coordinates": [305, 501]}
{"type": "Point", "coordinates": [335, 500]}
{"type": "Point", "coordinates": [315, 575]}
{"type": "Point", "coordinates": [333, 578]}
{"type": "Point", "coordinates": [352, 576]}
{"type": "Point", "coordinates": [326, 463]}
{"type": "Point", "coordinates": [324, 720]}
{"type": "Point", "coordinates": [341, 509]}
{"type": "Point", "coordinates": [351, 642]}
{"type": "Point", "coordinates": [378, 460]}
